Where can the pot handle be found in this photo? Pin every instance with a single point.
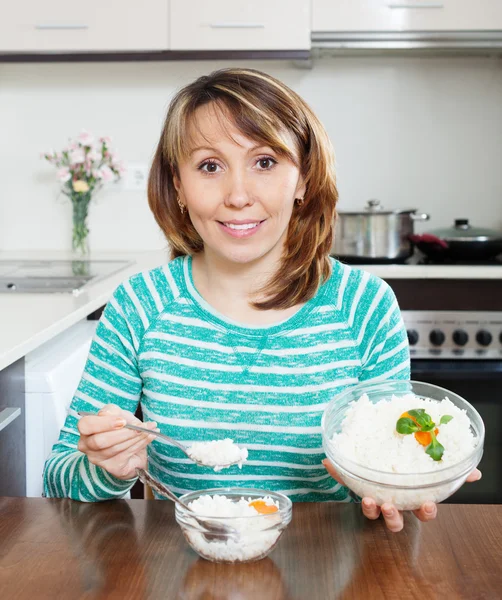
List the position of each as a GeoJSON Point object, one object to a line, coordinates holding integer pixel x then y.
{"type": "Point", "coordinates": [419, 216]}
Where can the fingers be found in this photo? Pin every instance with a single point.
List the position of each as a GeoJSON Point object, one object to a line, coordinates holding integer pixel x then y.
{"type": "Point", "coordinates": [332, 471]}
{"type": "Point", "coordinates": [103, 442]}
{"type": "Point", "coordinates": [393, 518]}
{"type": "Point", "coordinates": [120, 454]}
{"type": "Point", "coordinates": [96, 424]}
{"type": "Point", "coordinates": [474, 476]}
{"type": "Point", "coordinates": [370, 509]}
{"type": "Point", "coordinates": [427, 512]}
{"type": "Point", "coordinates": [116, 411]}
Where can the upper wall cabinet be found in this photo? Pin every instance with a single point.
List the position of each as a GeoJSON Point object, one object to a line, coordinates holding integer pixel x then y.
{"type": "Point", "coordinates": [93, 26]}
{"type": "Point", "coordinates": [240, 25]}
{"type": "Point", "coordinates": [407, 15]}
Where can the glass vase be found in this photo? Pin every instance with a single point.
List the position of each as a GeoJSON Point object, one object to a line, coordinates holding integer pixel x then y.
{"type": "Point", "coordinates": [80, 202]}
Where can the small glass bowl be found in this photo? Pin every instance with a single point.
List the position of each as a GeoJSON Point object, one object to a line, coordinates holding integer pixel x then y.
{"type": "Point", "coordinates": [258, 534]}
{"type": "Point", "coordinates": [407, 491]}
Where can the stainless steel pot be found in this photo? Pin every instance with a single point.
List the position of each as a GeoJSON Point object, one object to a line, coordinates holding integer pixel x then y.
{"type": "Point", "coordinates": [375, 234]}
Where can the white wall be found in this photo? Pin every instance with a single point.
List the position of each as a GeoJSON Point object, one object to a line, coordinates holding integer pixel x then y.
{"type": "Point", "coordinates": [413, 132]}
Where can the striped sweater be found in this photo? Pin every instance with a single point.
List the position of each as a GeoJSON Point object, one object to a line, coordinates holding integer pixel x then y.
{"type": "Point", "coordinates": [202, 376]}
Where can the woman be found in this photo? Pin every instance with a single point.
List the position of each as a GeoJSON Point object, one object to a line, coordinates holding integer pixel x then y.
{"type": "Point", "coordinates": [251, 328]}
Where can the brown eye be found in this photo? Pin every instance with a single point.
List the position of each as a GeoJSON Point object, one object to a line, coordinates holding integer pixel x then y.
{"type": "Point", "coordinates": [265, 160]}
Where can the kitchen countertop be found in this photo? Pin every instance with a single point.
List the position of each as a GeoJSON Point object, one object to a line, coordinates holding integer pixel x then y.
{"type": "Point", "coordinates": [131, 549]}
{"type": "Point", "coordinates": [29, 320]}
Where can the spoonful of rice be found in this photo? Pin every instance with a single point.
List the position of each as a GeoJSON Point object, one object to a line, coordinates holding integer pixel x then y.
{"type": "Point", "coordinates": [219, 454]}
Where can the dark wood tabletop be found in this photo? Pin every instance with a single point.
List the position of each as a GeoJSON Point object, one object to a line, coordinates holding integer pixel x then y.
{"type": "Point", "coordinates": [134, 549]}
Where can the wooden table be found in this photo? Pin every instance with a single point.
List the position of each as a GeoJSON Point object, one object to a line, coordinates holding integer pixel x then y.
{"type": "Point", "coordinates": [134, 549]}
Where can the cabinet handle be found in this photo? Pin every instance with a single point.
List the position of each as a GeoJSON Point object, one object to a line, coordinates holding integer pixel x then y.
{"type": "Point", "coordinates": [59, 26]}
{"type": "Point", "coordinates": [8, 415]}
{"type": "Point", "coordinates": [237, 25]}
{"type": "Point", "coordinates": [414, 5]}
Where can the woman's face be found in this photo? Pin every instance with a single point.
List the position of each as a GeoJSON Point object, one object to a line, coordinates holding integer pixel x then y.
{"type": "Point", "coordinates": [239, 197]}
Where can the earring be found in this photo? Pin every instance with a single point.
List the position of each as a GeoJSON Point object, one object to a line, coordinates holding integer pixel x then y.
{"type": "Point", "coordinates": [299, 201]}
{"type": "Point", "coordinates": [181, 205]}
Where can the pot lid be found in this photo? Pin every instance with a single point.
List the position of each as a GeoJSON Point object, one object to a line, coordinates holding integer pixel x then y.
{"type": "Point", "coordinates": [463, 231]}
{"type": "Point", "coordinates": [373, 207]}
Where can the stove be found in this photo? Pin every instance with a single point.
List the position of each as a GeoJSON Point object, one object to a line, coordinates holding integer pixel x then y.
{"type": "Point", "coordinates": [51, 276]}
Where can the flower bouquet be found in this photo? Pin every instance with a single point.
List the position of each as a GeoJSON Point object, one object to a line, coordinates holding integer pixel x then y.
{"type": "Point", "coordinates": [84, 166]}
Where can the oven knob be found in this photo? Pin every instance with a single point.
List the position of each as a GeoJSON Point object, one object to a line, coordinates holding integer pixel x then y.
{"type": "Point", "coordinates": [436, 337]}
{"type": "Point", "coordinates": [413, 336]}
{"type": "Point", "coordinates": [460, 337]}
{"type": "Point", "coordinates": [484, 338]}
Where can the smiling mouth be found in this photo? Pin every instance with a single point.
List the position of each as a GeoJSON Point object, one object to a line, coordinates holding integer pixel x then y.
{"type": "Point", "coordinates": [242, 226]}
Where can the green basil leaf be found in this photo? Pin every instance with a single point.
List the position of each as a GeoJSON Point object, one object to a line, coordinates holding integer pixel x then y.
{"type": "Point", "coordinates": [406, 426]}
{"type": "Point", "coordinates": [445, 419]}
{"type": "Point", "coordinates": [429, 427]}
{"type": "Point", "coordinates": [435, 450]}
{"type": "Point", "coordinates": [416, 412]}
{"type": "Point", "coordinates": [425, 422]}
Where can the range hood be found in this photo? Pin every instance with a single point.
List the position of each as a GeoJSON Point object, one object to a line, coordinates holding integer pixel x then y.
{"type": "Point", "coordinates": [408, 40]}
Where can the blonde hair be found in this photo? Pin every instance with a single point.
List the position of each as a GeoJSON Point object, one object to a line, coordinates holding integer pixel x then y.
{"type": "Point", "coordinates": [262, 108]}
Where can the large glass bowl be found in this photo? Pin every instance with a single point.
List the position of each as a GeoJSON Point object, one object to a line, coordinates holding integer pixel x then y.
{"type": "Point", "coordinates": [257, 534]}
{"type": "Point", "coordinates": [407, 491]}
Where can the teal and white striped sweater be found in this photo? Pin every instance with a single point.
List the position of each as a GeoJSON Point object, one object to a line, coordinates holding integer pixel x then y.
{"type": "Point", "coordinates": [201, 376]}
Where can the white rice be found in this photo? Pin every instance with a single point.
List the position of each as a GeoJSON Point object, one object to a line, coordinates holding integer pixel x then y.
{"type": "Point", "coordinates": [253, 542]}
{"type": "Point", "coordinates": [368, 437]}
{"type": "Point", "coordinates": [218, 453]}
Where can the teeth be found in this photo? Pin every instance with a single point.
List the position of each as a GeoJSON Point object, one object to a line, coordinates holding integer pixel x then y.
{"type": "Point", "coordinates": [245, 226]}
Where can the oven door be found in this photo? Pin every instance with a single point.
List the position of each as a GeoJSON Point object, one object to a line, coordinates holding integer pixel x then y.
{"type": "Point", "coordinates": [480, 383]}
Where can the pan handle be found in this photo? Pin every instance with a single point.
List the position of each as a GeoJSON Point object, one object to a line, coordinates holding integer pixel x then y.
{"type": "Point", "coordinates": [420, 216]}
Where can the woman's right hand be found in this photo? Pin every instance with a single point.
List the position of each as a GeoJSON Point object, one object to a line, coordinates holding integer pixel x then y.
{"type": "Point", "coordinates": [109, 445]}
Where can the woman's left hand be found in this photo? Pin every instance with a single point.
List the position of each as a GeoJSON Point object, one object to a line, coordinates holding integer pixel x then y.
{"type": "Point", "coordinates": [393, 517]}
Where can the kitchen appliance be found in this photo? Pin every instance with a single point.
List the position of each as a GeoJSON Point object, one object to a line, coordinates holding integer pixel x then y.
{"type": "Point", "coordinates": [462, 241]}
{"type": "Point", "coordinates": [52, 374]}
{"type": "Point", "coordinates": [49, 276]}
{"type": "Point", "coordinates": [375, 234]}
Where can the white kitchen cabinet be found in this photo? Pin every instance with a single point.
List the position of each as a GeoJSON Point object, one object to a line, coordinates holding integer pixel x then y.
{"type": "Point", "coordinates": [52, 374]}
{"type": "Point", "coordinates": [406, 15]}
{"type": "Point", "coordinates": [240, 25]}
{"type": "Point", "coordinates": [95, 25]}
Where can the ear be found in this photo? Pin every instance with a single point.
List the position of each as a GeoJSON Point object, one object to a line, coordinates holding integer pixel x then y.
{"type": "Point", "coordinates": [176, 182]}
{"type": "Point", "coordinates": [301, 188]}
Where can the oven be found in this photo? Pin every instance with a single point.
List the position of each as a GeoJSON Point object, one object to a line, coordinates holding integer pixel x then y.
{"type": "Point", "coordinates": [455, 334]}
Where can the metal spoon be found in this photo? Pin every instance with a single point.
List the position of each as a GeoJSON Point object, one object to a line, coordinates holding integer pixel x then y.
{"type": "Point", "coordinates": [214, 530]}
{"type": "Point", "coordinates": [85, 413]}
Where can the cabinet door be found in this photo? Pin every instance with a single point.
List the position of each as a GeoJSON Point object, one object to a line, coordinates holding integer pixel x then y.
{"type": "Point", "coordinates": [406, 15]}
{"type": "Point", "coordinates": [240, 25]}
{"type": "Point", "coordinates": [12, 431]}
{"type": "Point", "coordinates": [95, 25]}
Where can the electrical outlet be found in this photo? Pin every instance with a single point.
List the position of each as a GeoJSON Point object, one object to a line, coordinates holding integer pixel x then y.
{"type": "Point", "coordinates": [136, 177]}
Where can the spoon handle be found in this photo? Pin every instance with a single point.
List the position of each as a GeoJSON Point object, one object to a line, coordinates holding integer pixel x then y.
{"type": "Point", "coordinates": [85, 413]}
{"type": "Point", "coordinates": [147, 479]}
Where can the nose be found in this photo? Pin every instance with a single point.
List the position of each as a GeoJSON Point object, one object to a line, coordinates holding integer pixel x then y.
{"type": "Point", "coordinates": [238, 193]}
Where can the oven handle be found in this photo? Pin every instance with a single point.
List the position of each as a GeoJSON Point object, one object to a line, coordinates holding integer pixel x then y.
{"type": "Point", "coordinates": [460, 369]}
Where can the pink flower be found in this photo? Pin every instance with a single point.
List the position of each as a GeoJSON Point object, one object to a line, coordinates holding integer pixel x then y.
{"type": "Point", "coordinates": [63, 174]}
{"type": "Point", "coordinates": [77, 156]}
{"type": "Point", "coordinates": [94, 155]}
{"type": "Point", "coordinates": [105, 140]}
{"type": "Point", "coordinates": [85, 138]}
{"type": "Point", "coordinates": [106, 173]}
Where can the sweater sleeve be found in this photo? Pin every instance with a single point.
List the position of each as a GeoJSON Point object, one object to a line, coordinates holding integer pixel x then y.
{"type": "Point", "coordinates": [111, 375]}
{"type": "Point", "coordinates": [384, 346]}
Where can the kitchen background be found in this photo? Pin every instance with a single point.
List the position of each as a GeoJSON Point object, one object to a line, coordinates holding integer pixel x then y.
{"type": "Point", "coordinates": [421, 132]}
